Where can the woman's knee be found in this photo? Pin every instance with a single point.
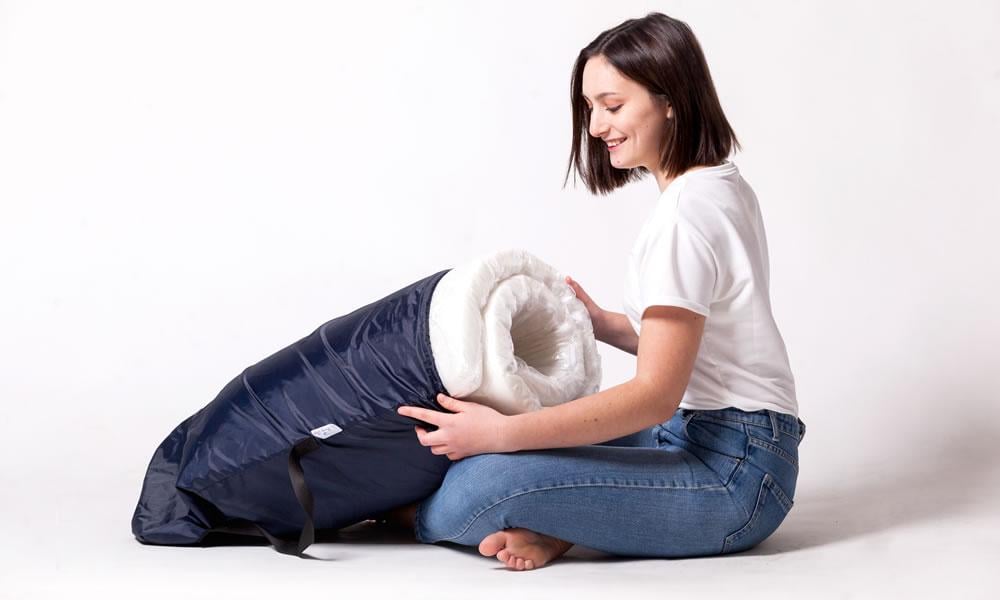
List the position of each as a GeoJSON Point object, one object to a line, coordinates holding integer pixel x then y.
{"type": "Point", "coordinates": [467, 484]}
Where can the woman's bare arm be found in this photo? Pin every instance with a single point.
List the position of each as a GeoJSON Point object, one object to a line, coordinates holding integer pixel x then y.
{"type": "Point", "coordinates": [609, 327]}
{"type": "Point", "coordinates": [666, 352]}
{"type": "Point", "coordinates": [615, 330]}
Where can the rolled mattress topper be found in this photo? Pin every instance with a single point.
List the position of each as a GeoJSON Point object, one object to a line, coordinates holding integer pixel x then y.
{"type": "Point", "coordinates": [507, 331]}
{"type": "Point", "coordinates": [309, 437]}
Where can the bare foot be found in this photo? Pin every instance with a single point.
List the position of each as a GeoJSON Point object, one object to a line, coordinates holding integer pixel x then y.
{"type": "Point", "coordinates": [522, 548]}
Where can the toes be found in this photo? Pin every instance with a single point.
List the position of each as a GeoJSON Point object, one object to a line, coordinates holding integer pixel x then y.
{"type": "Point", "coordinates": [503, 555]}
{"type": "Point", "coordinates": [529, 564]}
{"type": "Point", "coordinates": [520, 564]}
{"type": "Point", "coordinates": [492, 543]}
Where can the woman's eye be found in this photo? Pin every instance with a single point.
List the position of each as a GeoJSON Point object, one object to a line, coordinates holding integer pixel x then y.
{"type": "Point", "coordinates": [615, 109]}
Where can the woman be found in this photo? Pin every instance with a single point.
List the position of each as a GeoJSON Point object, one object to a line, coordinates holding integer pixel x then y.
{"type": "Point", "coordinates": [703, 457]}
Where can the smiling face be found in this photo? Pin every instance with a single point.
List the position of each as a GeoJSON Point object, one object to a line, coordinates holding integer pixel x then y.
{"type": "Point", "coordinates": [621, 109]}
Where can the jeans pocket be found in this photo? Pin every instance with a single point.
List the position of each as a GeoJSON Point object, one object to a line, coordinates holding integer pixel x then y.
{"type": "Point", "coordinates": [785, 448]}
{"type": "Point", "coordinates": [720, 445]}
{"type": "Point", "coordinates": [723, 437]}
{"type": "Point", "coordinates": [768, 512]}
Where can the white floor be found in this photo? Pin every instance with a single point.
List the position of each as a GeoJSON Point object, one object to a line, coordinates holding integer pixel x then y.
{"type": "Point", "coordinates": [895, 527]}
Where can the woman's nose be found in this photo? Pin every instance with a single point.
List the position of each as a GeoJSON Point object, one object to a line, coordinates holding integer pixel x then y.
{"type": "Point", "coordinates": [597, 126]}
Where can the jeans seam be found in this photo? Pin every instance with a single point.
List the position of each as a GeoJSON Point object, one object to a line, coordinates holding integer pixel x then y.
{"type": "Point", "coordinates": [731, 496]}
{"type": "Point", "coordinates": [556, 487]}
{"type": "Point", "coordinates": [753, 517]}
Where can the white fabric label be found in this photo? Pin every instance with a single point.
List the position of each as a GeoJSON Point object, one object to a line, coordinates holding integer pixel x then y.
{"type": "Point", "coordinates": [326, 431]}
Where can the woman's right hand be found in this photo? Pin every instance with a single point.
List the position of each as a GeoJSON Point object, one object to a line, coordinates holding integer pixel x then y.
{"type": "Point", "coordinates": [597, 314]}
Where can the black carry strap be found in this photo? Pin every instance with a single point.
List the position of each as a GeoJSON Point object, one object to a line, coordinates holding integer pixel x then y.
{"type": "Point", "coordinates": [305, 498]}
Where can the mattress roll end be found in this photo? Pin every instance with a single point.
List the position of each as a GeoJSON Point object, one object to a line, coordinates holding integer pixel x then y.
{"type": "Point", "coordinates": [507, 331]}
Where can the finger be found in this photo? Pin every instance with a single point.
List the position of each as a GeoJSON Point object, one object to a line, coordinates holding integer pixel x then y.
{"type": "Point", "coordinates": [453, 404]}
{"type": "Point", "coordinates": [578, 290]}
{"type": "Point", "coordinates": [432, 438]}
{"type": "Point", "coordinates": [420, 435]}
{"type": "Point", "coordinates": [429, 416]}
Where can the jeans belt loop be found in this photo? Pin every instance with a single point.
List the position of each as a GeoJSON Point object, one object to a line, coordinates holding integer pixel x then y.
{"type": "Point", "coordinates": [774, 426]}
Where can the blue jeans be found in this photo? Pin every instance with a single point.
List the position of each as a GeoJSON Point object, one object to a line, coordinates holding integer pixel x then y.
{"type": "Point", "coordinates": [704, 482]}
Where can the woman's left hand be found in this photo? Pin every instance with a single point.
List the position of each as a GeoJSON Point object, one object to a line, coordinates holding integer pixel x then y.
{"type": "Point", "coordinates": [470, 429]}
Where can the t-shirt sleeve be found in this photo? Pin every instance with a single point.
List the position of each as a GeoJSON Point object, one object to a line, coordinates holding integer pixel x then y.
{"type": "Point", "coordinates": [678, 267]}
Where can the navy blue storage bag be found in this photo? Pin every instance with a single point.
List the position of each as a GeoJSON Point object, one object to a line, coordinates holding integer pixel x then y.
{"type": "Point", "coordinates": [309, 437]}
{"type": "Point", "coordinates": [323, 405]}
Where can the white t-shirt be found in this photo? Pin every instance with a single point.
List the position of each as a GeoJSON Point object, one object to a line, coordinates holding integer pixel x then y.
{"type": "Point", "coordinates": [703, 248]}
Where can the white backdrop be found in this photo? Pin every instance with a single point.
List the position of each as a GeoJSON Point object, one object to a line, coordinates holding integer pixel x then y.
{"type": "Point", "coordinates": [187, 187]}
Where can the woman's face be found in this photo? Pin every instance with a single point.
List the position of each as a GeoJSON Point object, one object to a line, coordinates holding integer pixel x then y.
{"type": "Point", "coordinates": [629, 112]}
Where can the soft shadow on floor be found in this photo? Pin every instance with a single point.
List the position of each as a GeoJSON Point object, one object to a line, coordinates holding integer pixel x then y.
{"type": "Point", "coordinates": [948, 472]}
{"type": "Point", "coordinates": [368, 532]}
{"type": "Point", "coordinates": [371, 533]}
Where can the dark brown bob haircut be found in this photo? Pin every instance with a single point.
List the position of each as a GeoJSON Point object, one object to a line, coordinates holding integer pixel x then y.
{"type": "Point", "coordinates": [663, 55]}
